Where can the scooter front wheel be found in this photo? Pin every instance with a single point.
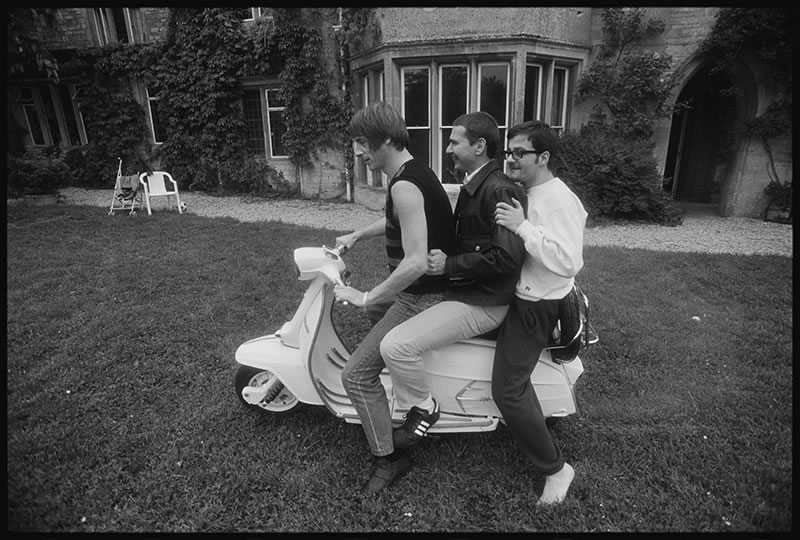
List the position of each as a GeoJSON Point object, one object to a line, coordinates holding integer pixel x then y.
{"type": "Point", "coordinates": [277, 399]}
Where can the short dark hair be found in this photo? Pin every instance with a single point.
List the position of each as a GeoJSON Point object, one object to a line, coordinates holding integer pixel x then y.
{"type": "Point", "coordinates": [378, 122]}
{"type": "Point", "coordinates": [541, 136]}
{"type": "Point", "coordinates": [480, 125]}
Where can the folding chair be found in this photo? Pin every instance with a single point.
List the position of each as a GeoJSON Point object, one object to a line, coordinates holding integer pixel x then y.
{"type": "Point", "coordinates": [155, 185]}
{"type": "Point", "coordinates": [127, 192]}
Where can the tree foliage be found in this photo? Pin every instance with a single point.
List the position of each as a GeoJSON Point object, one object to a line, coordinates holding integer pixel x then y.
{"type": "Point", "coordinates": [766, 32]}
{"type": "Point", "coordinates": [25, 27]}
{"type": "Point", "coordinates": [634, 85]}
{"type": "Point", "coordinates": [609, 162]}
{"type": "Point", "coordinates": [615, 178]}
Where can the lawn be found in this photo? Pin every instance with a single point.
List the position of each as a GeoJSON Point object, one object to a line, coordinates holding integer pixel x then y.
{"type": "Point", "coordinates": [121, 414]}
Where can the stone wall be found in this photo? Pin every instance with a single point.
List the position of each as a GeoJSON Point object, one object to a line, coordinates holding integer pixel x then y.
{"type": "Point", "coordinates": [76, 27]}
{"type": "Point", "coordinates": [427, 23]}
{"type": "Point", "coordinates": [325, 180]}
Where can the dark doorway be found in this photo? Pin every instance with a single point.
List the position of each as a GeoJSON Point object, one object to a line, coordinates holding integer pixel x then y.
{"type": "Point", "coordinates": [701, 139]}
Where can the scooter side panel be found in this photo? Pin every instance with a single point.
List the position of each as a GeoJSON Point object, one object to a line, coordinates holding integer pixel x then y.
{"type": "Point", "coordinates": [267, 352]}
{"type": "Point", "coordinates": [460, 377]}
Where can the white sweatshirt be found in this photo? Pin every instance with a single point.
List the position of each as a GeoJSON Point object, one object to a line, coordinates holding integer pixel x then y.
{"type": "Point", "coordinates": [553, 235]}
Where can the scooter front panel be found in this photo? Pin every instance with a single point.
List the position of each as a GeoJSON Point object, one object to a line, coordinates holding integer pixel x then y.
{"type": "Point", "coordinates": [326, 355]}
{"type": "Point", "coordinates": [268, 352]}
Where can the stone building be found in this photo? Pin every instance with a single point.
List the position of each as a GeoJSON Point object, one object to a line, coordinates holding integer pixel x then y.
{"type": "Point", "coordinates": [433, 64]}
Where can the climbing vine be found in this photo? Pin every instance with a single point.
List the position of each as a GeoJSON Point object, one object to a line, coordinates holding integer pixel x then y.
{"type": "Point", "coordinates": [633, 85]}
{"type": "Point", "coordinates": [314, 117]}
{"type": "Point", "coordinates": [609, 162]}
{"type": "Point", "coordinates": [195, 73]}
{"type": "Point", "coordinates": [766, 32]}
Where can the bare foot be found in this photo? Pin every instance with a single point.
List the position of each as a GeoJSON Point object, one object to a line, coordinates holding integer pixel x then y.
{"type": "Point", "coordinates": [556, 486]}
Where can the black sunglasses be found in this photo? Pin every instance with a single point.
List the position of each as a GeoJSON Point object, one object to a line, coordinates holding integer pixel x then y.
{"type": "Point", "coordinates": [519, 153]}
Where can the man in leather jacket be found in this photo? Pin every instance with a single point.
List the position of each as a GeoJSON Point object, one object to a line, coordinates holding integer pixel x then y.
{"type": "Point", "coordinates": [482, 274]}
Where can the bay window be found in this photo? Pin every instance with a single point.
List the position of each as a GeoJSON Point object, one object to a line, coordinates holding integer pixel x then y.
{"type": "Point", "coordinates": [416, 110]}
{"type": "Point", "coordinates": [432, 91]}
{"type": "Point", "coordinates": [541, 78]}
{"type": "Point", "coordinates": [460, 88]}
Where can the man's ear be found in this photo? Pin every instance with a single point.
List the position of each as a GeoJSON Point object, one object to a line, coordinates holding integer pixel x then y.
{"type": "Point", "coordinates": [544, 158]}
{"type": "Point", "coordinates": [480, 146]}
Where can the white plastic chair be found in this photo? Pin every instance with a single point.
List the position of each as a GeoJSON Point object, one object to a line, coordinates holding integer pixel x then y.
{"type": "Point", "coordinates": [155, 185]}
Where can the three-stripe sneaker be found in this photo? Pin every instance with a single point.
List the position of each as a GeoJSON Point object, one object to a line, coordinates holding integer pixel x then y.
{"type": "Point", "coordinates": [415, 427]}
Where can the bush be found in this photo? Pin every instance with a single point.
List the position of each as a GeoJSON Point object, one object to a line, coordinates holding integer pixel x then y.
{"type": "Point", "coordinates": [254, 177]}
{"type": "Point", "coordinates": [36, 173]}
{"type": "Point", "coordinates": [94, 166]}
{"type": "Point", "coordinates": [615, 177]}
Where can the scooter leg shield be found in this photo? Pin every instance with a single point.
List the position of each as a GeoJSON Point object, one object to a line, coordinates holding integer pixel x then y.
{"type": "Point", "coordinates": [267, 352]}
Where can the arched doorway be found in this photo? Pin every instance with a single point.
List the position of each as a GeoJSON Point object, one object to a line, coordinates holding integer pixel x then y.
{"type": "Point", "coordinates": [701, 138]}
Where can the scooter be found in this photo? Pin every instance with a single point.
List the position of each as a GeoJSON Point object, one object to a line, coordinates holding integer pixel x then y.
{"type": "Point", "coordinates": [302, 363]}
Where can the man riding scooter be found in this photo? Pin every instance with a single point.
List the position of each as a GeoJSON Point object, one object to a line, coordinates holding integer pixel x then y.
{"type": "Point", "coordinates": [418, 217]}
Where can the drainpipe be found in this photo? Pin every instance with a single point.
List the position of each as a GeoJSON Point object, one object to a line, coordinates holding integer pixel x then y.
{"type": "Point", "coordinates": [338, 32]}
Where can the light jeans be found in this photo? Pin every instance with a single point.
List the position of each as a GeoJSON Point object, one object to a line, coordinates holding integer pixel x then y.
{"type": "Point", "coordinates": [361, 375]}
{"type": "Point", "coordinates": [445, 323]}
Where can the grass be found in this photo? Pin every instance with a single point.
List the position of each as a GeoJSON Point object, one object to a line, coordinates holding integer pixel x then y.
{"type": "Point", "coordinates": [121, 414]}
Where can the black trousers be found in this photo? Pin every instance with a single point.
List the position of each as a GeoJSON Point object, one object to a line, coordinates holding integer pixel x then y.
{"type": "Point", "coordinates": [523, 335]}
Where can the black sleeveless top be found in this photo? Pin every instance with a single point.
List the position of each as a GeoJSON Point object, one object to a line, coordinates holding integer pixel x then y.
{"type": "Point", "coordinates": [438, 216]}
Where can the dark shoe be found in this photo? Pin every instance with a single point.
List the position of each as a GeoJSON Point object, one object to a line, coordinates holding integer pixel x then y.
{"type": "Point", "coordinates": [416, 426]}
{"type": "Point", "coordinates": [384, 472]}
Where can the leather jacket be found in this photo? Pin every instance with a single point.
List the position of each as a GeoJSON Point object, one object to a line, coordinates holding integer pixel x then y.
{"type": "Point", "coordinates": [489, 257]}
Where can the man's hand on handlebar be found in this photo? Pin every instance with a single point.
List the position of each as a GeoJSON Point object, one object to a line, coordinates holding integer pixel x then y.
{"type": "Point", "coordinates": [349, 295]}
{"type": "Point", "coordinates": [345, 242]}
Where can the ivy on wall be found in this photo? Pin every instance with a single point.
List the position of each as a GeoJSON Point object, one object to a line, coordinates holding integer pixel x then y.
{"type": "Point", "coordinates": [609, 162]}
{"type": "Point", "coordinates": [196, 73]}
{"type": "Point", "coordinates": [315, 115]}
{"type": "Point", "coordinates": [766, 32]}
{"type": "Point", "coordinates": [114, 120]}
{"type": "Point", "coordinates": [633, 84]}
{"type": "Point", "coordinates": [199, 99]}
{"type": "Point", "coordinates": [205, 54]}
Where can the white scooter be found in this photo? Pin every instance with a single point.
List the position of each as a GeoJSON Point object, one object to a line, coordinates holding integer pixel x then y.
{"type": "Point", "coordinates": [303, 361]}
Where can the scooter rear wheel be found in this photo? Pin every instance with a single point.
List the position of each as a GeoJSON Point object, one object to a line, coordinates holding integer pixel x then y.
{"type": "Point", "coordinates": [278, 400]}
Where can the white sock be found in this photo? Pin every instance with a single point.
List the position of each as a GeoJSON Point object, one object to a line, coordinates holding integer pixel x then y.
{"type": "Point", "coordinates": [426, 405]}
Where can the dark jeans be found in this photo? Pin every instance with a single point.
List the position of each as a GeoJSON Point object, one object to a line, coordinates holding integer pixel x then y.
{"type": "Point", "coordinates": [523, 335]}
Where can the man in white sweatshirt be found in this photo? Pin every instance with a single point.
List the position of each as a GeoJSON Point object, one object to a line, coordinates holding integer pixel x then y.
{"type": "Point", "coordinates": [553, 237]}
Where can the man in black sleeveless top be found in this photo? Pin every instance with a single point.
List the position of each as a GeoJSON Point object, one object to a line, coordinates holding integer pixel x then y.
{"type": "Point", "coordinates": [418, 218]}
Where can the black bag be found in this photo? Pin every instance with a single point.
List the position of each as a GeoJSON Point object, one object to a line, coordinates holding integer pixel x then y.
{"type": "Point", "coordinates": [573, 330]}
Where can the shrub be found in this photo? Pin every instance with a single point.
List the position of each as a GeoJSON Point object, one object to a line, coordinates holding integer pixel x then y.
{"type": "Point", "coordinates": [36, 173]}
{"type": "Point", "coordinates": [615, 177]}
{"type": "Point", "coordinates": [254, 177]}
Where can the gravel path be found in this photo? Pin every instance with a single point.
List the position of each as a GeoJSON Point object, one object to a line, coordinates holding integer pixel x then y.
{"type": "Point", "coordinates": [700, 232]}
